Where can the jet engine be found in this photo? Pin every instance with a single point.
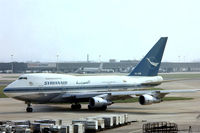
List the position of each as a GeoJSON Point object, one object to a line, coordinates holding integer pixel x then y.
{"type": "Point", "coordinates": [148, 99]}
{"type": "Point", "coordinates": [98, 102]}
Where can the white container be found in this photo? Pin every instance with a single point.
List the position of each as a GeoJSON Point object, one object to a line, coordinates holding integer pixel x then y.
{"type": "Point", "coordinates": [125, 118]}
{"type": "Point", "coordinates": [70, 128]}
{"type": "Point", "coordinates": [101, 124]}
{"type": "Point", "coordinates": [121, 122]}
{"type": "Point", "coordinates": [88, 123]}
{"type": "Point", "coordinates": [79, 128]}
{"type": "Point", "coordinates": [91, 125]}
{"type": "Point", "coordinates": [108, 120]}
{"type": "Point", "coordinates": [116, 119]}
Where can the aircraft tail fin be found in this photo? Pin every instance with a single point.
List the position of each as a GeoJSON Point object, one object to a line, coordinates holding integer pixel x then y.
{"type": "Point", "coordinates": [150, 64]}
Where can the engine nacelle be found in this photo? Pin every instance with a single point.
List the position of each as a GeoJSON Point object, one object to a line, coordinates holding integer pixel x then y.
{"type": "Point", "coordinates": [98, 102]}
{"type": "Point", "coordinates": [148, 99]}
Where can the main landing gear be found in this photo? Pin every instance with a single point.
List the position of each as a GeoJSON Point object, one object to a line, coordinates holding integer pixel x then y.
{"type": "Point", "coordinates": [29, 108]}
{"type": "Point", "coordinates": [76, 106]}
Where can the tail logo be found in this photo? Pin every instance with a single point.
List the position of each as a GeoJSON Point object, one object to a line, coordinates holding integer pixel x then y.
{"type": "Point", "coordinates": [155, 64]}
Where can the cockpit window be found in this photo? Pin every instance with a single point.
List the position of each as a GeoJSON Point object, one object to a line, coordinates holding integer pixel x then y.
{"type": "Point", "coordinates": [22, 78]}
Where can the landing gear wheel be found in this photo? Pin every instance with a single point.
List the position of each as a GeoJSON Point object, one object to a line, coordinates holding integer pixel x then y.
{"type": "Point", "coordinates": [90, 108]}
{"type": "Point", "coordinates": [29, 109]}
{"type": "Point", "coordinates": [72, 106]}
{"type": "Point", "coordinates": [78, 106]}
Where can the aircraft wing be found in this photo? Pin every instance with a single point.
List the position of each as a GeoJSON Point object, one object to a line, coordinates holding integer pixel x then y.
{"type": "Point", "coordinates": [101, 99]}
{"type": "Point", "coordinates": [161, 93]}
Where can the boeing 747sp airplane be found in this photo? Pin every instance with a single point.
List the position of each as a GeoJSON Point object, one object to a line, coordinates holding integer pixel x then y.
{"type": "Point", "coordinates": [96, 90]}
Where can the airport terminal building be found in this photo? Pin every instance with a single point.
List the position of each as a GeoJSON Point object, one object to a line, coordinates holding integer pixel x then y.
{"type": "Point", "coordinates": [123, 66]}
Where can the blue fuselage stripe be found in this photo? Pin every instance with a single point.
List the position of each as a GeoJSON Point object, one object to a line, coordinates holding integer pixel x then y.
{"type": "Point", "coordinates": [59, 88]}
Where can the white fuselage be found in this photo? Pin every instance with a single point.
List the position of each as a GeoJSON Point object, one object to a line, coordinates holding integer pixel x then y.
{"type": "Point", "coordinates": [31, 84]}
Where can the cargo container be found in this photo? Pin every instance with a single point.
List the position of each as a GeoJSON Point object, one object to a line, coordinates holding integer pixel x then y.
{"type": "Point", "coordinates": [108, 120]}
{"type": "Point", "coordinates": [79, 128]}
{"type": "Point", "coordinates": [89, 124]}
{"type": "Point", "coordinates": [70, 128]}
{"type": "Point", "coordinates": [101, 124]}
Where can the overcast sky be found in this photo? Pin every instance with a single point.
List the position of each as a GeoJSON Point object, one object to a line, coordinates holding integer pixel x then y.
{"type": "Point", "coordinates": [38, 30]}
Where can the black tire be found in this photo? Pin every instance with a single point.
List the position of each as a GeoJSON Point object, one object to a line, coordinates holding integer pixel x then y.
{"type": "Point", "coordinates": [29, 109]}
{"type": "Point", "coordinates": [72, 106]}
{"type": "Point", "coordinates": [78, 106]}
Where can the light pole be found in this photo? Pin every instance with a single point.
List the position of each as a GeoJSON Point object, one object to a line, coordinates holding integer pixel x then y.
{"type": "Point", "coordinates": [99, 58]}
{"type": "Point", "coordinates": [57, 63]}
{"type": "Point", "coordinates": [11, 62]}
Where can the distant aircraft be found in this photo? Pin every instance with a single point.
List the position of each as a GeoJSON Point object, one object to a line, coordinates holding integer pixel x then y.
{"type": "Point", "coordinates": [98, 91]}
{"type": "Point", "coordinates": [99, 69]}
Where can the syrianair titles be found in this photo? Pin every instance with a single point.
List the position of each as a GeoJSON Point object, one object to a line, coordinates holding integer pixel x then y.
{"type": "Point", "coordinates": [98, 91]}
{"type": "Point", "coordinates": [55, 82]}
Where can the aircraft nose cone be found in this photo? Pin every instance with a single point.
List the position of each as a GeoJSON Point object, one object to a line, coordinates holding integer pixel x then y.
{"type": "Point", "coordinates": [5, 90]}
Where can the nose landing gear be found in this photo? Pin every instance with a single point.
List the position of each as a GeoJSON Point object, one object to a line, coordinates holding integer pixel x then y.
{"type": "Point", "coordinates": [29, 108]}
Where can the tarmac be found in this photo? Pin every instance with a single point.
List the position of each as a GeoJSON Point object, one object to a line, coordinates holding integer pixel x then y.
{"type": "Point", "coordinates": [184, 112]}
